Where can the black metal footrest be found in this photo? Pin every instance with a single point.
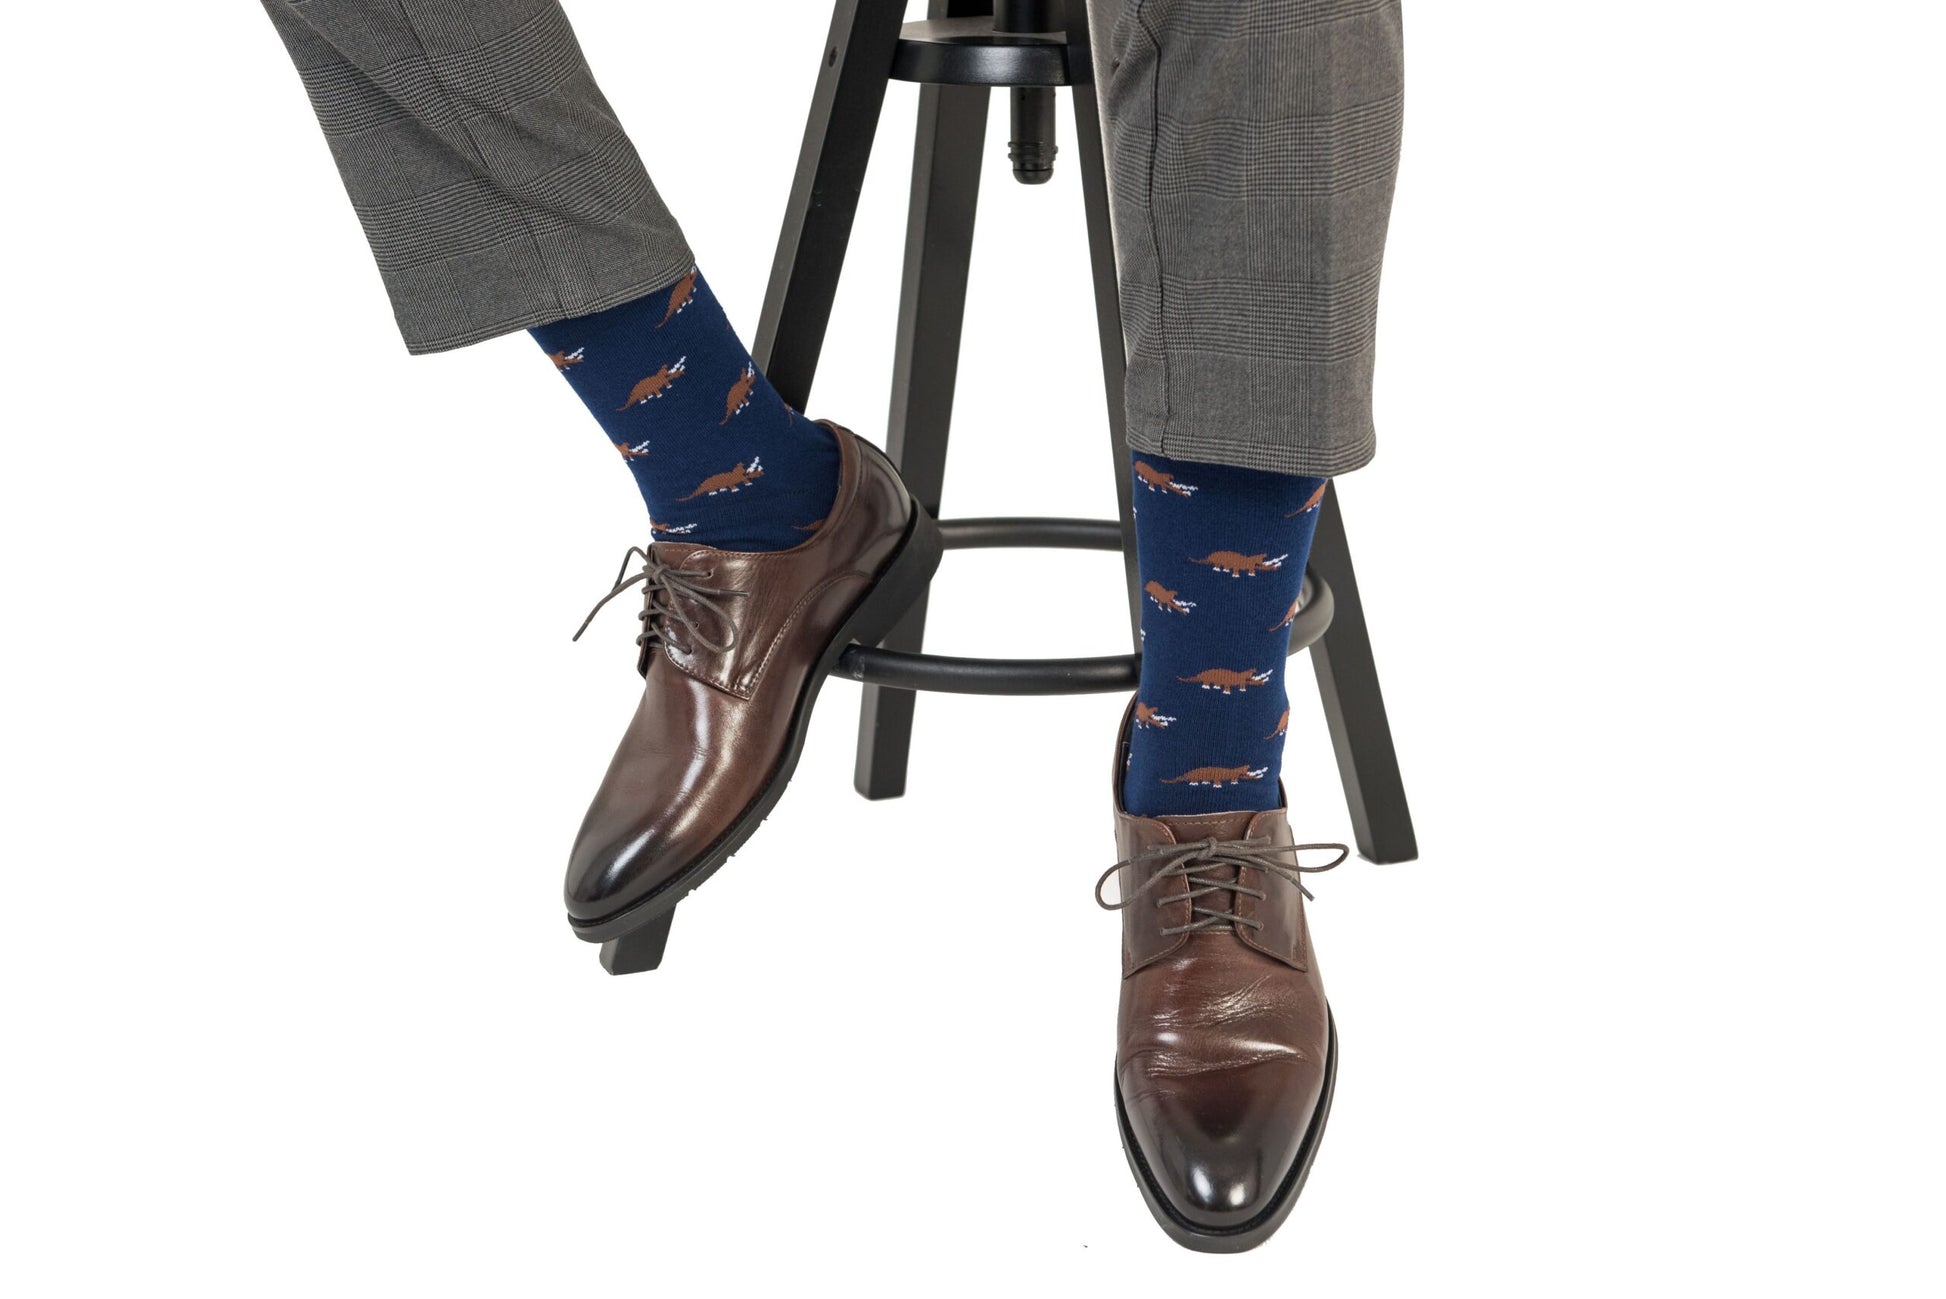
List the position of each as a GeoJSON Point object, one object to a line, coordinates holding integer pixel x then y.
{"type": "Point", "coordinates": [901, 670]}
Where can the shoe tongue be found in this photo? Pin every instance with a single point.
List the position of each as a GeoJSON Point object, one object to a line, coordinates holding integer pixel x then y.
{"type": "Point", "coordinates": [1224, 827]}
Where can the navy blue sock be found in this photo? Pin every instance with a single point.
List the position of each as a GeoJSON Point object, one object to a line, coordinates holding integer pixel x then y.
{"type": "Point", "coordinates": [1222, 553]}
{"type": "Point", "coordinates": [718, 455]}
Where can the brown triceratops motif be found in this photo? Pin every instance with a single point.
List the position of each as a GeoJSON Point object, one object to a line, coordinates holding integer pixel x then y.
{"type": "Point", "coordinates": [1317, 499]}
{"type": "Point", "coordinates": [729, 481]}
{"type": "Point", "coordinates": [1290, 617]}
{"type": "Point", "coordinates": [1157, 481]}
{"type": "Point", "coordinates": [1239, 565]}
{"type": "Point", "coordinates": [672, 529]}
{"type": "Point", "coordinates": [681, 296]}
{"type": "Point", "coordinates": [1146, 717]}
{"type": "Point", "coordinates": [1166, 599]}
{"type": "Point", "coordinates": [1218, 776]}
{"type": "Point", "coordinates": [739, 394]}
{"type": "Point", "coordinates": [655, 385]}
{"type": "Point", "coordinates": [635, 452]}
{"type": "Point", "coordinates": [564, 358]}
{"type": "Point", "coordinates": [1283, 726]}
{"type": "Point", "coordinates": [1225, 680]}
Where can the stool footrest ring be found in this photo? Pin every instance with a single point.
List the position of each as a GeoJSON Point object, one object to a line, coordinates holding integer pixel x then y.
{"type": "Point", "coordinates": [905, 670]}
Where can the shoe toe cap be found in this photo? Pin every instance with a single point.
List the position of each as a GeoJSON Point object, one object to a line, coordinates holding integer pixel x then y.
{"type": "Point", "coordinates": [1220, 1156]}
{"type": "Point", "coordinates": [1220, 1191]}
{"type": "Point", "coordinates": [602, 879]}
{"type": "Point", "coordinates": [635, 841]}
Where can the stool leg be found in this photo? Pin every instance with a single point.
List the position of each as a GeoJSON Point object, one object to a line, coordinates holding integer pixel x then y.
{"type": "Point", "coordinates": [857, 66]}
{"type": "Point", "coordinates": [932, 307]}
{"type": "Point", "coordinates": [1108, 292]}
{"type": "Point", "coordinates": [1354, 708]}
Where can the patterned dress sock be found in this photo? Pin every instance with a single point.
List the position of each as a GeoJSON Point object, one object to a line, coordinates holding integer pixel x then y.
{"type": "Point", "coordinates": [1222, 553]}
{"type": "Point", "coordinates": [719, 456]}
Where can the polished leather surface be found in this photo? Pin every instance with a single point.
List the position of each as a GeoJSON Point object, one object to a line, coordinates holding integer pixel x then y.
{"type": "Point", "coordinates": [713, 726]}
{"type": "Point", "coordinates": [1223, 1033]}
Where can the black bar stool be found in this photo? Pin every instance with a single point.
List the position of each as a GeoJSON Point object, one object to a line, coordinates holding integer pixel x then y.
{"type": "Point", "coordinates": [960, 53]}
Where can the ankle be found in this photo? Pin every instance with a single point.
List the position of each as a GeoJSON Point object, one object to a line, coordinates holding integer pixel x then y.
{"type": "Point", "coordinates": [720, 458]}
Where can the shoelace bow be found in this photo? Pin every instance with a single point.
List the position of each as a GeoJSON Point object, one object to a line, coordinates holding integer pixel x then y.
{"type": "Point", "coordinates": [1197, 860]}
{"type": "Point", "coordinates": [682, 595]}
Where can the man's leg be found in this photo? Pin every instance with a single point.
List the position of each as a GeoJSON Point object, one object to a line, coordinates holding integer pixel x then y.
{"type": "Point", "coordinates": [1253, 148]}
{"type": "Point", "coordinates": [499, 193]}
{"type": "Point", "coordinates": [494, 183]}
{"type": "Point", "coordinates": [1275, 123]}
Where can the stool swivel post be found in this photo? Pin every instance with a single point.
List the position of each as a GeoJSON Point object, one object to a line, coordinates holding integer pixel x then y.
{"type": "Point", "coordinates": [1032, 146]}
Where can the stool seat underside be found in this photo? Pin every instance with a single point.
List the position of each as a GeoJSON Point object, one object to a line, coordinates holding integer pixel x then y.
{"type": "Point", "coordinates": [968, 52]}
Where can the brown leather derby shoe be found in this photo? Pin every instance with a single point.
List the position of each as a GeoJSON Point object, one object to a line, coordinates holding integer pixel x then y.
{"type": "Point", "coordinates": [735, 646]}
{"type": "Point", "coordinates": [1227, 1051]}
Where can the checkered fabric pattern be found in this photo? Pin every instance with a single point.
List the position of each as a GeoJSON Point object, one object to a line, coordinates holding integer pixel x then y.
{"type": "Point", "coordinates": [1253, 146]}
{"type": "Point", "coordinates": [495, 185]}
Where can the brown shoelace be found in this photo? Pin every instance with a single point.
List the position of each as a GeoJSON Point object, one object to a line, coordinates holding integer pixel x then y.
{"type": "Point", "coordinates": [1200, 862]}
{"type": "Point", "coordinates": [671, 595]}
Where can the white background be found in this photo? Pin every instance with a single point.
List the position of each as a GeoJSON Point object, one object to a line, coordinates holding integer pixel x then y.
{"type": "Point", "coordinates": [294, 741]}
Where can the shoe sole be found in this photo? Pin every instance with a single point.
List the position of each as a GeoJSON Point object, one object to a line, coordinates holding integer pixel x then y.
{"type": "Point", "coordinates": [1248, 1235]}
{"type": "Point", "coordinates": [900, 581]}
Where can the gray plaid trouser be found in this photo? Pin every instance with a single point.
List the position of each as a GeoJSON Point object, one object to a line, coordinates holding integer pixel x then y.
{"type": "Point", "coordinates": [1253, 146]}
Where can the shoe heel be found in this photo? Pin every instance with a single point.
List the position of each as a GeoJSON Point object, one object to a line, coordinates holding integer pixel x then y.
{"type": "Point", "coordinates": [901, 586]}
{"type": "Point", "coordinates": [640, 950]}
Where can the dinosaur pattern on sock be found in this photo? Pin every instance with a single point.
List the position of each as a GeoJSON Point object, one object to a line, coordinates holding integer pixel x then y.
{"type": "Point", "coordinates": [1211, 714]}
{"type": "Point", "coordinates": [1157, 481]}
{"type": "Point", "coordinates": [656, 384]}
{"type": "Point", "coordinates": [730, 480]}
{"type": "Point", "coordinates": [1165, 599]}
{"type": "Point", "coordinates": [1312, 502]}
{"type": "Point", "coordinates": [681, 296]}
{"type": "Point", "coordinates": [688, 410]}
{"type": "Point", "coordinates": [1225, 680]}
{"type": "Point", "coordinates": [1239, 565]}
{"type": "Point", "coordinates": [739, 398]}
{"type": "Point", "coordinates": [1216, 777]}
